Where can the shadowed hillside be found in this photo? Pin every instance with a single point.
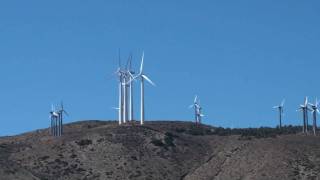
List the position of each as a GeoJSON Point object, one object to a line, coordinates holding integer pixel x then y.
{"type": "Point", "coordinates": [160, 150]}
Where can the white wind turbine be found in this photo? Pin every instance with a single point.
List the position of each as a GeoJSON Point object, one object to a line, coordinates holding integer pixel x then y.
{"type": "Point", "coordinates": [120, 75]}
{"type": "Point", "coordinates": [280, 108]}
{"type": "Point", "coordinates": [130, 73]}
{"type": "Point", "coordinates": [61, 112]}
{"type": "Point", "coordinates": [200, 114]}
{"type": "Point", "coordinates": [197, 109]}
{"type": "Point", "coordinates": [142, 78]}
{"type": "Point", "coordinates": [304, 108]}
{"type": "Point", "coordinates": [315, 111]}
{"type": "Point", "coordinates": [54, 115]}
{"type": "Point", "coordinates": [195, 105]}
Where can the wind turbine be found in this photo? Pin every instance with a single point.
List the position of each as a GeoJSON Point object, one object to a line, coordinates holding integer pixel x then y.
{"type": "Point", "coordinates": [195, 105]}
{"type": "Point", "coordinates": [60, 118]}
{"type": "Point", "coordinates": [128, 86]}
{"type": "Point", "coordinates": [304, 108]}
{"type": "Point", "coordinates": [120, 74]}
{"type": "Point", "coordinates": [200, 115]}
{"type": "Point", "coordinates": [53, 117]}
{"type": "Point", "coordinates": [280, 108]}
{"type": "Point", "coordinates": [131, 77]}
{"type": "Point", "coordinates": [142, 78]}
{"type": "Point", "coordinates": [315, 111]}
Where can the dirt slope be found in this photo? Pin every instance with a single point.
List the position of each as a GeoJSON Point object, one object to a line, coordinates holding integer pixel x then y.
{"type": "Point", "coordinates": [158, 150]}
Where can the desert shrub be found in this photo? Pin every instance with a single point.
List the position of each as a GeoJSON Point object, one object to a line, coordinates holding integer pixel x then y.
{"type": "Point", "coordinates": [196, 131]}
{"type": "Point", "coordinates": [262, 132]}
{"type": "Point", "coordinates": [180, 130]}
{"type": "Point", "coordinates": [157, 142]}
{"type": "Point", "coordinates": [168, 140]}
{"type": "Point", "coordinates": [84, 142]}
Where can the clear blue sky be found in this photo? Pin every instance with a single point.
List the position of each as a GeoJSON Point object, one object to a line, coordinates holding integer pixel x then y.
{"type": "Point", "coordinates": [240, 57]}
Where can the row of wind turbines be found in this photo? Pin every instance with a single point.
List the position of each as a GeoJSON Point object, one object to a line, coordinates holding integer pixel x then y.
{"type": "Point", "coordinates": [56, 117]}
{"type": "Point", "coordinates": [126, 78]}
{"type": "Point", "coordinates": [305, 108]}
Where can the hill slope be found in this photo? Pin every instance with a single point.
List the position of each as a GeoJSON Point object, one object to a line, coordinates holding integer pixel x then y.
{"type": "Point", "coordinates": [158, 150]}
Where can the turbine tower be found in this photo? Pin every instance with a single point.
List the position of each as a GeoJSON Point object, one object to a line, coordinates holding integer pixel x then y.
{"type": "Point", "coordinates": [200, 114]}
{"type": "Point", "coordinates": [131, 77]}
{"type": "Point", "coordinates": [61, 112]}
{"type": "Point", "coordinates": [120, 74]}
{"type": "Point", "coordinates": [54, 115]}
{"type": "Point", "coordinates": [280, 108]}
{"type": "Point", "coordinates": [196, 106]}
{"type": "Point", "coordinates": [304, 108]}
{"type": "Point", "coordinates": [124, 96]}
{"type": "Point", "coordinates": [315, 111]}
{"type": "Point", "coordinates": [128, 86]}
{"type": "Point", "coordinates": [197, 110]}
{"type": "Point", "coordinates": [142, 78]}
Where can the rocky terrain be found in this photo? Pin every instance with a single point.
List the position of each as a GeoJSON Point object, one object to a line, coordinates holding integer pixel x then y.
{"type": "Point", "coordinates": [158, 150]}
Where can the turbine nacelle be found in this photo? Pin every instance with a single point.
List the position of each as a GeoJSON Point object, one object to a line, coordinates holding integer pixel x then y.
{"type": "Point", "coordinates": [315, 106]}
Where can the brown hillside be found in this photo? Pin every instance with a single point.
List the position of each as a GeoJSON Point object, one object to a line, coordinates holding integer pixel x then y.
{"type": "Point", "coordinates": [158, 150]}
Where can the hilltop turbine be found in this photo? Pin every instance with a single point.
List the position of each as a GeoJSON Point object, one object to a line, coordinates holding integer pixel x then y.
{"type": "Point", "coordinates": [130, 74]}
{"type": "Point", "coordinates": [142, 78]}
{"type": "Point", "coordinates": [195, 105]}
{"type": "Point", "coordinates": [304, 108]}
{"type": "Point", "coordinates": [197, 109]}
{"type": "Point", "coordinates": [280, 108]}
{"type": "Point", "coordinates": [120, 75]}
{"type": "Point", "coordinates": [54, 116]}
{"type": "Point", "coordinates": [200, 115]}
{"type": "Point", "coordinates": [315, 111]}
{"type": "Point", "coordinates": [60, 119]}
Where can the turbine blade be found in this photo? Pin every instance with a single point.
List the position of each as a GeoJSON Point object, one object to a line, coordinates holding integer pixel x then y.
{"type": "Point", "coordinates": [141, 65]}
{"type": "Point", "coordinates": [131, 75]}
{"type": "Point", "coordinates": [282, 103]}
{"type": "Point", "coordinates": [119, 60]}
{"type": "Point", "coordinates": [149, 80]}
{"type": "Point", "coordinates": [66, 112]}
{"type": "Point", "coordinates": [306, 101]}
{"type": "Point", "coordinates": [128, 63]}
{"type": "Point", "coordinates": [195, 99]}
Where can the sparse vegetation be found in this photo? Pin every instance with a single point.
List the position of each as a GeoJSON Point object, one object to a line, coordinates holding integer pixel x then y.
{"type": "Point", "coordinates": [166, 142]}
{"type": "Point", "coordinates": [121, 152]}
{"type": "Point", "coordinates": [157, 142]}
{"type": "Point", "coordinates": [168, 139]}
{"type": "Point", "coordinates": [246, 133]}
{"type": "Point", "coordinates": [84, 142]}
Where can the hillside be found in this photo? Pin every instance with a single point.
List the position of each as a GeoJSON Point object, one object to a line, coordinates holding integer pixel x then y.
{"type": "Point", "coordinates": [158, 150]}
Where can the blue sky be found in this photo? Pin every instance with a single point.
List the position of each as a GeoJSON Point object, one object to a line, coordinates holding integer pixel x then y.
{"type": "Point", "coordinates": [240, 57]}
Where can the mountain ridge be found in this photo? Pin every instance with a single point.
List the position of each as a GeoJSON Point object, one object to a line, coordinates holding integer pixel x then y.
{"type": "Point", "coordinates": [159, 150]}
